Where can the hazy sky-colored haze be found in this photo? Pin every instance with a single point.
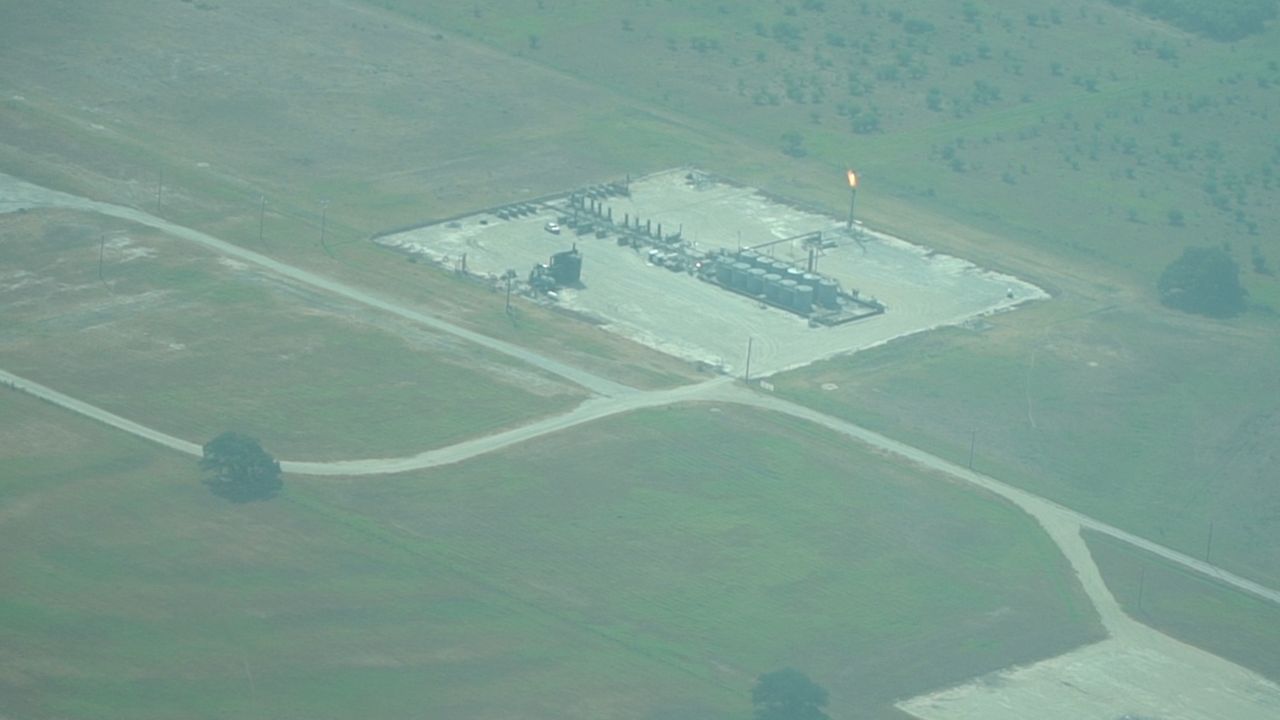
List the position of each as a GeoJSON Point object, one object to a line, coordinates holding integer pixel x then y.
{"type": "Point", "coordinates": [537, 359]}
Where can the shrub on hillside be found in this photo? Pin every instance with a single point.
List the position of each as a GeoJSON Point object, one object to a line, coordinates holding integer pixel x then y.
{"type": "Point", "coordinates": [1205, 281]}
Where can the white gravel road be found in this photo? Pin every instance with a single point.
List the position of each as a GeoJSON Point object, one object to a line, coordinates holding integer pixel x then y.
{"type": "Point", "coordinates": [720, 389]}
{"type": "Point", "coordinates": [94, 412]}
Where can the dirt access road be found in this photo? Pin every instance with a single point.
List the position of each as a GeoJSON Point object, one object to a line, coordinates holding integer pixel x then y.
{"type": "Point", "coordinates": [720, 389]}
{"type": "Point", "coordinates": [1136, 672]}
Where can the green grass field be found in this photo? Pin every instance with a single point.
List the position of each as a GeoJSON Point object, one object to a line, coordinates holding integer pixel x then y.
{"type": "Point", "coordinates": [1160, 425]}
{"type": "Point", "coordinates": [1081, 146]}
{"type": "Point", "coordinates": [179, 339]}
{"type": "Point", "coordinates": [649, 566]}
{"type": "Point", "coordinates": [1191, 607]}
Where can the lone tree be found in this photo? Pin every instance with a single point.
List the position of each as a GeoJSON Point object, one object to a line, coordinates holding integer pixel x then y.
{"type": "Point", "coordinates": [793, 144]}
{"type": "Point", "coordinates": [1205, 281]}
{"type": "Point", "coordinates": [239, 469]}
{"type": "Point", "coordinates": [788, 694]}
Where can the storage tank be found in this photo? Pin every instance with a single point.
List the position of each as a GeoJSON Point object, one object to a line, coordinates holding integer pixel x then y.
{"type": "Point", "coordinates": [826, 293]}
{"type": "Point", "coordinates": [740, 275]}
{"type": "Point", "coordinates": [803, 299]}
{"type": "Point", "coordinates": [755, 281]}
{"type": "Point", "coordinates": [786, 293]}
{"type": "Point", "coordinates": [796, 274]}
{"type": "Point", "coordinates": [810, 279]}
{"type": "Point", "coordinates": [566, 267]}
{"type": "Point", "coordinates": [750, 257]}
{"type": "Point", "coordinates": [771, 281]}
{"type": "Point", "coordinates": [777, 266]}
{"type": "Point", "coordinates": [724, 272]}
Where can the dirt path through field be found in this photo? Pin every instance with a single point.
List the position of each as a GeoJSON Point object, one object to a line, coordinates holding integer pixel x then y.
{"type": "Point", "coordinates": [93, 412]}
{"type": "Point", "coordinates": [1136, 673]}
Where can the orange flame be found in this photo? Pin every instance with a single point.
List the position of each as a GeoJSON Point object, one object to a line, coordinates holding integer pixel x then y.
{"type": "Point", "coordinates": [853, 179]}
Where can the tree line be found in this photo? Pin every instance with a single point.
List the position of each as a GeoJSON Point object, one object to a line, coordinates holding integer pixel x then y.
{"type": "Point", "coordinates": [1217, 19]}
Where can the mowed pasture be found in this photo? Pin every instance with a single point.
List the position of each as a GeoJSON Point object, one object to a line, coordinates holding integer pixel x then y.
{"type": "Point", "coordinates": [175, 337]}
{"type": "Point", "coordinates": [1157, 423]}
{"type": "Point", "coordinates": [649, 566]}
{"type": "Point", "coordinates": [1191, 607]}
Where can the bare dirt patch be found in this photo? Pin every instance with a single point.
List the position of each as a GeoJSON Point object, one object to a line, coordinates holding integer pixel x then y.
{"type": "Point", "coordinates": [1157, 678]}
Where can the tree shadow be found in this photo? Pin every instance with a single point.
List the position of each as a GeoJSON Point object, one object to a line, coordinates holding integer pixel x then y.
{"type": "Point", "coordinates": [239, 492]}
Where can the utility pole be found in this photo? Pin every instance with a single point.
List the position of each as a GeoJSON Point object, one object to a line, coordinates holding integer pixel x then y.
{"type": "Point", "coordinates": [102, 249]}
{"type": "Point", "coordinates": [746, 375]}
{"type": "Point", "coordinates": [1142, 583]}
{"type": "Point", "coordinates": [510, 276]}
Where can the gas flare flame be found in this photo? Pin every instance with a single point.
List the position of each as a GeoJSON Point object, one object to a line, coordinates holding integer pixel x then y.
{"type": "Point", "coordinates": [853, 179]}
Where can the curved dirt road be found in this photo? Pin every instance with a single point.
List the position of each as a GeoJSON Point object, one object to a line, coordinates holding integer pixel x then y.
{"type": "Point", "coordinates": [720, 389]}
{"type": "Point", "coordinates": [1130, 642]}
{"type": "Point", "coordinates": [16, 194]}
{"type": "Point", "coordinates": [593, 409]}
{"type": "Point", "coordinates": [93, 412]}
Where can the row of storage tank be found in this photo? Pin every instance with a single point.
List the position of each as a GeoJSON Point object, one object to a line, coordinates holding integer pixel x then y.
{"type": "Point", "coordinates": [777, 282]}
